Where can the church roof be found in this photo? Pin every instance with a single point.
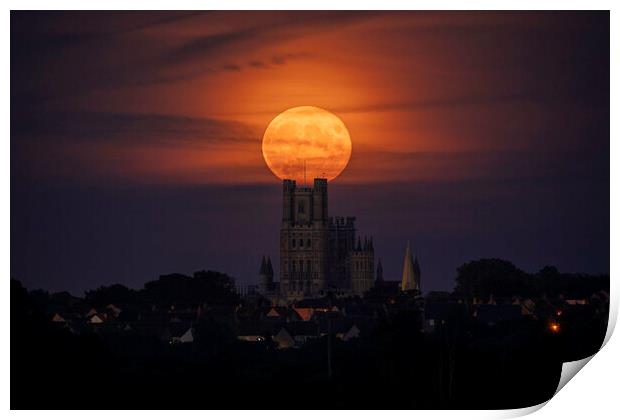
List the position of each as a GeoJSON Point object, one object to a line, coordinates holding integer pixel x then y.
{"type": "Point", "coordinates": [284, 339]}
{"type": "Point", "coordinates": [305, 313]}
{"type": "Point", "coordinates": [273, 312]}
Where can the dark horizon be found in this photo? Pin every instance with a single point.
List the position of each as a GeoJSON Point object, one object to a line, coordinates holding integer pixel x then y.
{"type": "Point", "coordinates": [129, 158]}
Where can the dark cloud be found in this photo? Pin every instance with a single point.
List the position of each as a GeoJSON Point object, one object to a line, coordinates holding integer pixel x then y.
{"type": "Point", "coordinates": [197, 71]}
{"type": "Point", "coordinates": [165, 20]}
{"type": "Point", "coordinates": [281, 59]}
{"type": "Point", "coordinates": [49, 63]}
{"type": "Point", "coordinates": [206, 46]}
{"type": "Point", "coordinates": [452, 101]}
{"type": "Point", "coordinates": [112, 148]}
{"type": "Point", "coordinates": [231, 67]}
{"type": "Point", "coordinates": [256, 63]}
{"type": "Point", "coordinates": [55, 29]}
{"type": "Point", "coordinates": [40, 36]}
{"type": "Point", "coordinates": [286, 27]}
{"type": "Point", "coordinates": [508, 165]}
{"type": "Point", "coordinates": [129, 129]}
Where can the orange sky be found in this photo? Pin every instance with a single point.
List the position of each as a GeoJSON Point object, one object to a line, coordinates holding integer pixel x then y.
{"type": "Point", "coordinates": [454, 86]}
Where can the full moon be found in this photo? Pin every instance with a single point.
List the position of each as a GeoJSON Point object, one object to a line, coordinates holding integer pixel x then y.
{"type": "Point", "coordinates": [306, 142]}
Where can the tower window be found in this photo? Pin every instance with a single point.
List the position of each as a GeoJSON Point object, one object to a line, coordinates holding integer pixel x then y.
{"type": "Point", "coordinates": [301, 207]}
{"type": "Point", "coordinates": [293, 242]}
{"type": "Point", "coordinates": [308, 243]}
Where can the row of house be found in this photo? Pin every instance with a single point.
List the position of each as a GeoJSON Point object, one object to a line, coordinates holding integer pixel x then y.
{"type": "Point", "coordinates": [443, 308]}
{"type": "Point", "coordinates": [301, 322]}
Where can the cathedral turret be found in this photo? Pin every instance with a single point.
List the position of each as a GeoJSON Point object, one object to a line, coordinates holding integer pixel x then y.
{"type": "Point", "coordinates": [379, 271]}
{"type": "Point", "coordinates": [362, 267]}
{"type": "Point", "coordinates": [265, 276]}
{"type": "Point", "coordinates": [417, 275]}
{"type": "Point", "coordinates": [270, 270]}
{"type": "Point", "coordinates": [288, 187]}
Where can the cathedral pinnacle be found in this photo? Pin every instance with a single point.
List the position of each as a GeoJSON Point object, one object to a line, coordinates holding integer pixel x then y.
{"type": "Point", "coordinates": [410, 281]}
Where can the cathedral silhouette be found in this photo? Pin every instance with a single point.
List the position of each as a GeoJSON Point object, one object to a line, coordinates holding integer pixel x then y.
{"type": "Point", "coordinates": [321, 254]}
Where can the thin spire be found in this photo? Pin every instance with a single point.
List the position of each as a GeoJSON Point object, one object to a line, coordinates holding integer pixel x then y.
{"type": "Point", "coordinates": [269, 267]}
{"type": "Point", "coordinates": [379, 271]}
{"type": "Point", "coordinates": [408, 280]}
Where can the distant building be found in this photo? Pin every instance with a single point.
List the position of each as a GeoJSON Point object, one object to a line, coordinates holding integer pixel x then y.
{"type": "Point", "coordinates": [352, 333]}
{"type": "Point", "coordinates": [318, 254]}
{"type": "Point", "coordinates": [113, 311]}
{"type": "Point", "coordinates": [58, 318]}
{"type": "Point", "coordinates": [96, 319]}
{"type": "Point", "coordinates": [284, 339]}
{"type": "Point", "coordinates": [438, 313]}
{"type": "Point", "coordinates": [305, 313]}
{"type": "Point", "coordinates": [181, 334]}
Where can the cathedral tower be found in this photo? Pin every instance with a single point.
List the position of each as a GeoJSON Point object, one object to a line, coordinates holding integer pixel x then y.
{"type": "Point", "coordinates": [379, 271]}
{"type": "Point", "coordinates": [317, 253]}
{"type": "Point", "coordinates": [304, 236]}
